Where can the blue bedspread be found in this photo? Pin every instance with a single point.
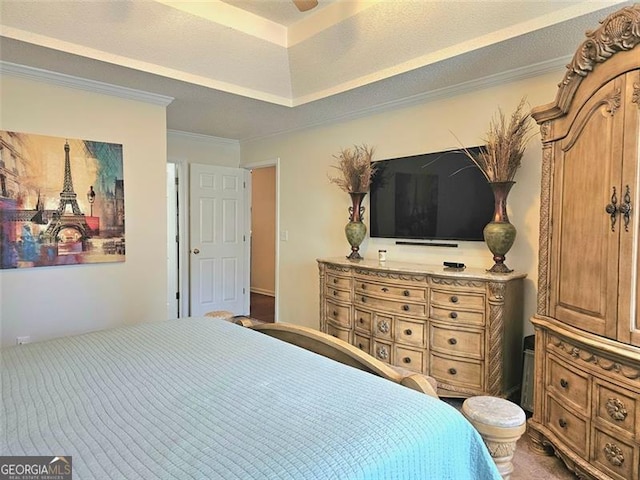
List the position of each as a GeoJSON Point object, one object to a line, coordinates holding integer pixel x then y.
{"type": "Point", "coordinates": [205, 399]}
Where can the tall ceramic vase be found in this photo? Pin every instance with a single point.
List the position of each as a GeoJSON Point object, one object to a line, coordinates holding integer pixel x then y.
{"type": "Point", "coordinates": [355, 230]}
{"type": "Point", "coordinates": [499, 234]}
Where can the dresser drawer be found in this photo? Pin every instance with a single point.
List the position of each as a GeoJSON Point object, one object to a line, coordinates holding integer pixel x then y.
{"type": "Point", "coordinates": [335, 281]}
{"type": "Point", "coordinates": [382, 326]}
{"type": "Point", "coordinates": [411, 333]}
{"type": "Point", "coordinates": [617, 458]}
{"type": "Point", "coordinates": [363, 342]}
{"type": "Point", "coordinates": [337, 294]}
{"type": "Point", "coordinates": [568, 385]}
{"type": "Point", "coordinates": [391, 291]}
{"type": "Point", "coordinates": [454, 299]}
{"type": "Point", "coordinates": [456, 372]}
{"type": "Point", "coordinates": [339, 314]}
{"type": "Point", "coordinates": [337, 332]}
{"type": "Point", "coordinates": [362, 320]}
{"type": "Point", "coordinates": [409, 358]}
{"type": "Point", "coordinates": [569, 427]}
{"type": "Point", "coordinates": [406, 308]}
{"type": "Point", "coordinates": [451, 341]}
{"type": "Point", "coordinates": [381, 351]}
{"type": "Point", "coordinates": [616, 407]}
{"type": "Point", "coordinates": [455, 316]}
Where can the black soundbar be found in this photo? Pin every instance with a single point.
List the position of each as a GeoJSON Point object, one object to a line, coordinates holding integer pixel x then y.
{"type": "Point", "coordinates": [428, 244]}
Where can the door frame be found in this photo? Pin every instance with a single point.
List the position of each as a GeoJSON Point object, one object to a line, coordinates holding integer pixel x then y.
{"type": "Point", "coordinates": [274, 162]}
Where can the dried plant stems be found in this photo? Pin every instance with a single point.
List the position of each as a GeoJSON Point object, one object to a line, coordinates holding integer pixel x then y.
{"type": "Point", "coordinates": [355, 167]}
{"type": "Point", "coordinates": [505, 143]}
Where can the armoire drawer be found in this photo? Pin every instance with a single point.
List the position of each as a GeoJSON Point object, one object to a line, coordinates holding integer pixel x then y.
{"type": "Point", "coordinates": [569, 385]}
{"type": "Point", "coordinates": [618, 458]}
{"type": "Point", "coordinates": [616, 407]}
{"type": "Point", "coordinates": [568, 426]}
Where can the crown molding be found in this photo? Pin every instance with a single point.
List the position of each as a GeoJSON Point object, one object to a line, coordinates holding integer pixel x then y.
{"type": "Point", "coordinates": [63, 80]}
{"type": "Point", "coordinates": [203, 138]}
{"type": "Point", "coordinates": [514, 75]}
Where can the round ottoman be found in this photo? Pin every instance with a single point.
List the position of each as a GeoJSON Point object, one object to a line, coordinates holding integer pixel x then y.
{"type": "Point", "coordinates": [500, 423]}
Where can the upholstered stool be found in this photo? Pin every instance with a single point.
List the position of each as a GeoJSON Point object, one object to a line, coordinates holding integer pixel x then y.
{"type": "Point", "coordinates": [223, 314]}
{"type": "Point", "coordinates": [500, 423]}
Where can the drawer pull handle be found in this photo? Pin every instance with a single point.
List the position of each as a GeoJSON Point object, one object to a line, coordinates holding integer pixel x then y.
{"type": "Point", "coordinates": [385, 289]}
{"type": "Point", "coordinates": [364, 299]}
{"type": "Point", "coordinates": [361, 320]}
{"type": "Point", "coordinates": [408, 332]}
{"type": "Point", "coordinates": [405, 308]}
{"type": "Point", "coordinates": [406, 360]}
{"type": "Point", "coordinates": [616, 409]}
{"type": "Point", "coordinates": [335, 293]}
{"type": "Point", "coordinates": [360, 346]}
{"type": "Point", "coordinates": [334, 335]}
{"type": "Point", "coordinates": [564, 383]}
{"type": "Point", "coordinates": [406, 293]}
{"type": "Point", "coordinates": [562, 422]}
{"type": "Point", "coordinates": [453, 371]}
{"type": "Point", "coordinates": [364, 286]}
{"type": "Point", "coordinates": [453, 341]}
{"type": "Point", "coordinates": [335, 313]}
{"type": "Point", "coordinates": [454, 299]}
{"type": "Point", "coordinates": [335, 280]}
{"type": "Point", "coordinates": [614, 454]}
{"type": "Point", "coordinates": [453, 315]}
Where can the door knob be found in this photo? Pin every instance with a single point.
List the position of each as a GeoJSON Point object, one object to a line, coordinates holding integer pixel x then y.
{"type": "Point", "coordinates": [196, 251]}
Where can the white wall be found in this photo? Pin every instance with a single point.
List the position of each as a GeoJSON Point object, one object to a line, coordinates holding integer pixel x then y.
{"type": "Point", "coordinates": [48, 302]}
{"type": "Point", "coordinates": [314, 211]}
{"type": "Point", "coordinates": [184, 148]}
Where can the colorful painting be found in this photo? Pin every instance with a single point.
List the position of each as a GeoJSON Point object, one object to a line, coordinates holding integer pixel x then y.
{"type": "Point", "coordinates": [61, 201]}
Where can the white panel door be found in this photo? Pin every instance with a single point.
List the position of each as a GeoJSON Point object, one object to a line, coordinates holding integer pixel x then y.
{"type": "Point", "coordinates": [219, 239]}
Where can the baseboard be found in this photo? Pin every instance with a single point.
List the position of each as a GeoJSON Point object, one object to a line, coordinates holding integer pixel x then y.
{"type": "Point", "coordinates": [262, 291]}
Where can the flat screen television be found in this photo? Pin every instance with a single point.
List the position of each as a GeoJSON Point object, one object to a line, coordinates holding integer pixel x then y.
{"type": "Point", "coordinates": [435, 196]}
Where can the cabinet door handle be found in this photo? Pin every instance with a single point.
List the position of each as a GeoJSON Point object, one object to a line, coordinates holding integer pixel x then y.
{"type": "Point", "coordinates": [454, 299]}
{"type": "Point", "coordinates": [625, 208]}
{"type": "Point", "coordinates": [408, 332]}
{"type": "Point", "coordinates": [405, 308]}
{"type": "Point", "coordinates": [453, 371]}
{"type": "Point", "coordinates": [612, 208]}
{"type": "Point", "coordinates": [564, 383]}
{"type": "Point", "coordinates": [453, 341]}
{"type": "Point", "coordinates": [453, 315]}
{"type": "Point", "coordinates": [563, 423]}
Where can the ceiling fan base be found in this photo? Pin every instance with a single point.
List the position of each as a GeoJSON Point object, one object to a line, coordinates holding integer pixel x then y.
{"type": "Point", "coordinates": [305, 5]}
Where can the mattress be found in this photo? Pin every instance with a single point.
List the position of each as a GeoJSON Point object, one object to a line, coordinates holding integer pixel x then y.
{"type": "Point", "coordinates": [201, 398]}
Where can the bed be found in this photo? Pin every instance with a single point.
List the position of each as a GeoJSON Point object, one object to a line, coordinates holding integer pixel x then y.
{"type": "Point", "coordinates": [202, 398]}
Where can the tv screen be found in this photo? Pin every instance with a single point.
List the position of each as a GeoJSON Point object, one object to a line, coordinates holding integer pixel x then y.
{"type": "Point", "coordinates": [440, 195]}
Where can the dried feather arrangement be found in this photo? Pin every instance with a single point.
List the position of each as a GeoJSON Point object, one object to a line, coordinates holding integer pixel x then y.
{"type": "Point", "coordinates": [355, 167]}
{"type": "Point", "coordinates": [505, 143]}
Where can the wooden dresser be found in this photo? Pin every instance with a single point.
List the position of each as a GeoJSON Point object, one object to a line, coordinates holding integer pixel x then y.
{"type": "Point", "coordinates": [587, 358]}
{"type": "Point", "coordinates": [462, 327]}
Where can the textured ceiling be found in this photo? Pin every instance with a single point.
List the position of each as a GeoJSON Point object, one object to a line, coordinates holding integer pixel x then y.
{"type": "Point", "coordinates": [244, 69]}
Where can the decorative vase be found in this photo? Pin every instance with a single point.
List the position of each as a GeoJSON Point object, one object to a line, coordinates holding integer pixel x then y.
{"type": "Point", "coordinates": [355, 230]}
{"type": "Point", "coordinates": [499, 234]}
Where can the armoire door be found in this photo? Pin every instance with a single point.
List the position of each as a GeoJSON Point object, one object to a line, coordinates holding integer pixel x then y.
{"type": "Point", "coordinates": [586, 226]}
{"type": "Point", "coordinates": [628, 309]}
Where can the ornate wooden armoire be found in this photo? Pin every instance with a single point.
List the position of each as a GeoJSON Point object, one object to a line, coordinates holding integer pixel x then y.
{"type": "Point", "coordinates": [587, 390]}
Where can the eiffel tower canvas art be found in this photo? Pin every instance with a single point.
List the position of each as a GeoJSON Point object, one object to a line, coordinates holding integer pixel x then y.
{"type": "Point", "coordinates": [61, 201]}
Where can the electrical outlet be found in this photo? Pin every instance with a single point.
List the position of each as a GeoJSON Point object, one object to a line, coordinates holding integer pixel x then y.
{"type": "Point", "coordinates": [23, 340]}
